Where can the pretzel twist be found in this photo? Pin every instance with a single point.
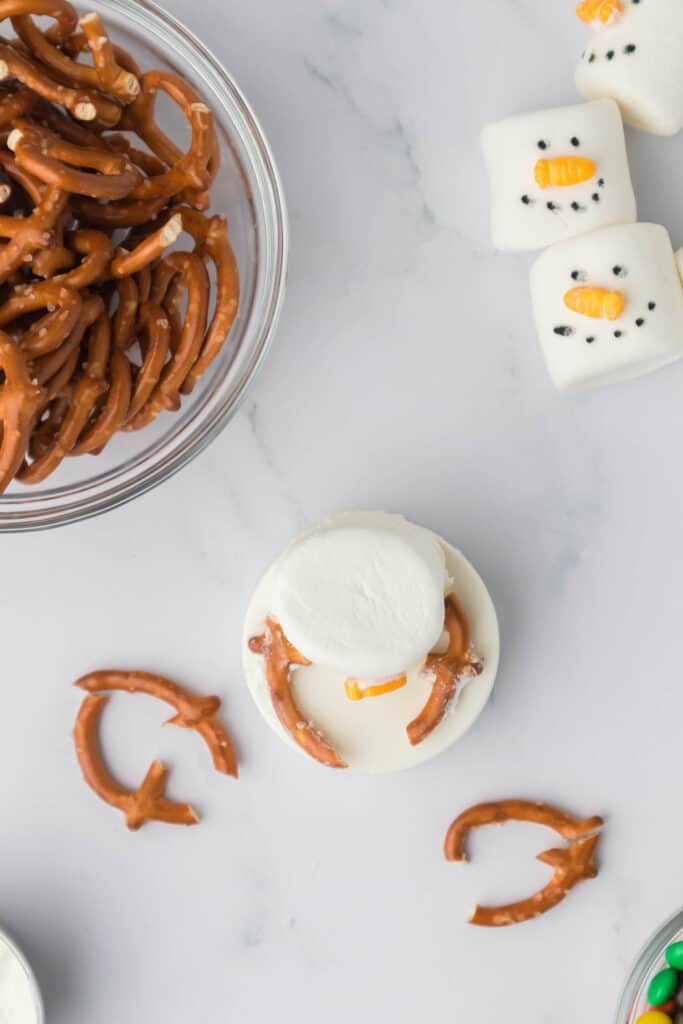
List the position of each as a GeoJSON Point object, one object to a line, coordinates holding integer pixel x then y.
{"type": "Point", "coordinates": [572, 865]}
{"type": "Point", "coordinates": [279, 656]}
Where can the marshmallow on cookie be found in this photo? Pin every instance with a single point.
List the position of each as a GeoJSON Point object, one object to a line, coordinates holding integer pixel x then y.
{"type": "Point", "coordinates": [371, 643]}
{"type": "Point", "coordinates": [556, 174]}
{"type": "Point", "coordinates": [635, 56]}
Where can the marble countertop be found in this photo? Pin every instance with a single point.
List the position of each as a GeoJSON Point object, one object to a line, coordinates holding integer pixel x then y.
{"type": "Point", "coordinates": [405, 376]}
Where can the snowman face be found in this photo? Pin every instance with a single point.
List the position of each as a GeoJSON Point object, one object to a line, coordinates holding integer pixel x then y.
{"type": "Point", "coordinates": [635, 57]}
{"type": "Point", "coordinates": [557, 174]}
{"type": "Point", "coordinates": [608, 306]}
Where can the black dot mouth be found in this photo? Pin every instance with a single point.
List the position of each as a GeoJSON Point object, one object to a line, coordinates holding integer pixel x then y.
{"type": "Point", "coordinates": [618, 334]}
{"type": "Point", "coordinates": [652, 306]}
{"type": "Point", "coordinates": [640, 322]}
{"type": "Point", "coordinates": [590, 340]}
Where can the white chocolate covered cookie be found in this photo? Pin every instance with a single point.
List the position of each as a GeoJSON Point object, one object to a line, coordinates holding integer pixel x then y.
{"type": "Point", "coordinates": [636, 58]}
{"type": "Point", "coordinates": [320, 698]}
{"type": "Point", "coordinates": [608, 306]}
{"type": "Point", "coordinates": [557, 174]}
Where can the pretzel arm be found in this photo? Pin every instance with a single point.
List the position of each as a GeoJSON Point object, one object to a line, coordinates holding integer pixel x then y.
{"type": "Point", "coordinates": [155, 341]}
{"type": "Point", "coordinates": [147, 803]}
{"type": "Point", "coordinates": [572, 866]}
{"type": "Point", "coordinates": [86, 393]}
{"type": "Point", "coordinates": [128, 213]}
{"type": "Point", "coordinates": [193, 712]}
{"type": "Point", "coordinates": [97, 250]}
{"type": "Point", "coordinates": [279, 656]}
{"type": "Point", "coordinates": [113, 414]}
{"type": "Point", "coordinates": [47, 334]}
{"type": "Point", "coordinates": [33, 188]}
{"type": "Point", "coordinates": [502, 811]}
{"type": "Point", "coordinates": [85, 105]}
{"type": "Point", "coordinates": [63, 13]}
{"type": "Point", "coordinates": [448, 670]}
{"type": "Point", "coordinates": [40, 222]}
{"type": "Point", "coordinates": [111, 76]}
{"type": "Point", "coordinates": [57, 162]}
{"type": "Point", "coordinates": [218, 249]}
{"type": "Point", "coordinates": [166, 394]}
{"type": "Point", "coordinates": [20, 402]}
{"type": "Point", "coordinates": [16, 104]}
{"type": "Point", "coordinates": [128, 263]}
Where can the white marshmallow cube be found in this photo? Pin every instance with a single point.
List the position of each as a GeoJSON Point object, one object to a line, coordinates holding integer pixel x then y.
{"type": "Point", "coordinates": [637, 60]}
{"type": "Point", "coordinates": [557, 174]}
{"type": "Point", "coordinates": [608, 306]}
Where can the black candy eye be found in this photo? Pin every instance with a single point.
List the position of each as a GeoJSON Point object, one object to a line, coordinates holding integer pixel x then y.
{"type": "Point", "coordinates": [619, 271]}
{"type": "Point", "coordinates": [527, 200]}
{"type": "Point", "coordinates": [553, 207]}
{"type": "Point", "coordinates": [564, 332]}
{"type": "Point", "coordinates": [610, 55]}
{"type": "Point", "coordinates": [542, 144]}
{"type": "Point", "coordinates": [631, 48]}
{"type": "Point", "coordinates": [639, 322]}
{"type": "Point", "coordinates": [574, 141]}
{"type": "Point", "coordinates": [578, 275]}
{"type": "Point", "coordinates": [596, 197]}
{"type": "Point", "coordinates": [618, 334]}
{"type": "Point", "coordinates": [651, 305]}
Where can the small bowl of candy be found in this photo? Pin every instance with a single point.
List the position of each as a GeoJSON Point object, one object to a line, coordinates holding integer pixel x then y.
{"type": "Point", "coordinates": [653, 993]}
{"type": "Point", "coordinates": [143, 251]}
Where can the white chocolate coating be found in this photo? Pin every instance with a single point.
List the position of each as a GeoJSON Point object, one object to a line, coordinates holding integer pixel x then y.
{"type": "Point", "coordinates": [526, 216]}
{"type": "Point", "coordinates": [370, 735]}
{"type": "Point", "coordinates": [637, 61]}
{"type": "Point", "coordinates": [362, 596]}
{"type": "Point", "coordinates": [638, 261]}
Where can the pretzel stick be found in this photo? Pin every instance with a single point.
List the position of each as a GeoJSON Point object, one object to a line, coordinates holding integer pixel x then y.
{"type": "Point", "coordinates": [40, 222]}
{"type": "Point", "coordinates": [20, 400]}
{"type": "Point", "coordinates": [97, 251]}
{"type": "Point", "coordinates": [147, 803]}
{"type": "Point", "coordinates": [279, 656]}
{"type": "Point", "coordinates": [448, 669]}
{"type": "Point", "coordinates": [16, 104]}
{"type": "Point", "coordinates": [56, 162]}
{"type": "Point", "coordinates": [126, 313]}
{"type": "Point", "coordinates": [114, 411]}
{"type": "Point", "coordinates": [166, 394]}
{"type": "Point", "coordinates": [125, 214]}
{"type": "Point", "coordinates": [63, 13]}
{"type": "Point", "coordinates": [192, 711]}
{"type": "Point", "coordinates": [154, 335]}
{"type": "Point", "coordinates": [111, 77]}
{"type": "Point", "coordinates": [572, 865]}
{"type": "Point", "coordinates": [33, 188]}
{"type": "Point", "coordinates": [48, 333]}
{"type": "Point", "coordinates": [219, 250]}
{"type": "Point", "coordinates": [86, 392]}
{"type": "Point", "coordinates": [128, 263]}
{"type": "Point", "coordinates": [84, 105]}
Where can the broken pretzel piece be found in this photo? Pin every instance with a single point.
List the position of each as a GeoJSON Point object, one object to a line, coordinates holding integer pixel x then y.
{"type": "Point", "coordinates": [573, 864]}
{"type": "Point", "coordinates": [279, 655]}
{"type": "Point", "coordinates": [147, 803]}
{"type": "Point", "coordinates": [192, 711]}
{"type": "Point", "coordinates": [448, 669]}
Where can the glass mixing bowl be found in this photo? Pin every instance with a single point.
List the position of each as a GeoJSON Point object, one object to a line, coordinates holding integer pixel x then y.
{"type": "Point", "coordinates": [249, 191]}
{"type": "Point", "coordinates": [7, 944]}
{"type": "Point", "coordinates": [651, 960]}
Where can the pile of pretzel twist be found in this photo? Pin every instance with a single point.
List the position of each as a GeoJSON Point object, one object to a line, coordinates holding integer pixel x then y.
{"type": "Point", "coordinates": [101, 326]}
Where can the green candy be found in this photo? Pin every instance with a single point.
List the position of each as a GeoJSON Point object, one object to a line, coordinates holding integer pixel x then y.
{"type": "Point", "coordinates": [674, 956]}
{"type": "Point", "coordinates": [663, 986]}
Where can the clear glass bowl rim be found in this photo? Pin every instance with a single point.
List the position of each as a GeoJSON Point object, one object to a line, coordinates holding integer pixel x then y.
{"type": "Point", "coordinates": [17, 517]}
{"type": "Point", "coordinates": [644, 965]}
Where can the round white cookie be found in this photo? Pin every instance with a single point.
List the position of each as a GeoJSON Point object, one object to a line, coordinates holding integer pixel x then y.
{"type": "Point", "coordinates": [370, 734]}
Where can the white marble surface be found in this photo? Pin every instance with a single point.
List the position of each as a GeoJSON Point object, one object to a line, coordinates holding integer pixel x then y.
{"type": "Point", "coordinates": [405, 376]}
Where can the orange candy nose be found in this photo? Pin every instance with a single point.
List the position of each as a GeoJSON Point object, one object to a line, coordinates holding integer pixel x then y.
{"type": "Point", "coordinates": [564, 171]}
{"type": "Point", "coordinates": [596, 302]}
{"type": "Point", "coordinates": [355, 692]}
{"type": "Point", "coordinates": [602, 11]}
